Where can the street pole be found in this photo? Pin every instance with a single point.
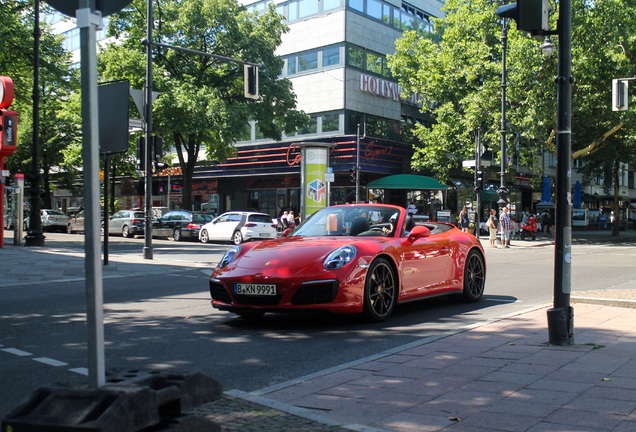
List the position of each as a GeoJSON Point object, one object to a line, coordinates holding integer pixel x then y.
{"type": "Point", "coordinates": [358, 164]}
{"type": "Point", "coordinates": [35, 237]}
{"type": "Point", "coordinates": [503, 191]}
{"type": "Point", "coordinates": [477, 187]}
{"type": "Point", "coordinates": [148, 122]}
{"type": "Point", "coordinates": [561, 316]}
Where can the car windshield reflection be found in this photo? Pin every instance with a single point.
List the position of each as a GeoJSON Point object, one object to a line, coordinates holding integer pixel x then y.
{"type": "Point", "coordinates": [350, 220]}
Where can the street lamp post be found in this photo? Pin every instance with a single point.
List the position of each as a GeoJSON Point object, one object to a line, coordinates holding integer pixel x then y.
{"type": "Point", "coordinates": [561, 316]}
{"type": "Point", "coordinates": [503, 191]}
{"type": "Point", "coordinates": [35, 237]}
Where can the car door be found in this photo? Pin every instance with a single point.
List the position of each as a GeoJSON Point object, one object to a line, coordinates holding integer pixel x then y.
{"type": "Point", "coordinates": [426, 265]}
{"type": "Point", "coordinates": [115, 222]}
{"type": "Point", "coordinates": [223, 226]}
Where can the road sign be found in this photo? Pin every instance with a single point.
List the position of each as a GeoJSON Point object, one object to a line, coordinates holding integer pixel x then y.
{"type": "Point", "coordinates": [106, 7]}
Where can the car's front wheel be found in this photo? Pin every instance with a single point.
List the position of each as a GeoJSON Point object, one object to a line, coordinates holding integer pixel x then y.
{"type": "Point", "coordinates": [69, 229]}
{"type": "Point", "coordinates": [380, 291]}
{"type": "Point", "coordinates": [176, 235]}
{"type": "Point", "coordinates": [474, 277]}
{"type": "Point", "coordinates": [205, 236]}
{"type": "Point", "coordinates": [237, 238]}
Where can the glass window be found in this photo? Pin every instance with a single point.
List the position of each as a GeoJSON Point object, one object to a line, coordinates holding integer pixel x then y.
{"type": "Point", "coordinates": [374, 63]}
{"type": "Point", "coordinates": [311, 128]}
{"type": "Point", "coordinates": [330, 122]}
{"type": "Point", "coordinates": [355, 56]}
{"type": "Point", "coordinates": [357, 5]}
{"type": "Point", "coordinates": [386, 14]}
{"type": "Point", "coordinates": [308, 61]}
{"type": "Point", "coordinates": [331, 56]}
{"type": "Point", "coordinates": [307, 8]}
{"type": "Point", "coordinates": [396, 17]}
{"type": "Point", "coordinates": [330, 4]}
{"type": "Point", "coordinates": [293, 11]}
{"type": "Point", "coordinates": [291, 65]}
{"type": "Point", "coordinates": [374, 9]}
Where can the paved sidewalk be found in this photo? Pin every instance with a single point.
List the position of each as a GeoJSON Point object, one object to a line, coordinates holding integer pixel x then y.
{"type": "Point", "coordinates": [495, 376]}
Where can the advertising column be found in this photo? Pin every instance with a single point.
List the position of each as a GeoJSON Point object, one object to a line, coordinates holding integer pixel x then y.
{"type": "Point", "coordinates": [314, 162]}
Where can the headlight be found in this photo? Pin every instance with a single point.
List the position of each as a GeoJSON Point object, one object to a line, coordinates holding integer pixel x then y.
{"type": "Point", "coordinates": [229, 256]}
{"type": "Point", "coordinates": [340, 257]}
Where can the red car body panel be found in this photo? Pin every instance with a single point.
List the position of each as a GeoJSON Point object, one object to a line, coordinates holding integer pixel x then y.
{"type": "Point", "coordinates": [425, 266]}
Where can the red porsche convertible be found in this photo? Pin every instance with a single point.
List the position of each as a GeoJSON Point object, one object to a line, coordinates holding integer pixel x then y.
{"type": "Point", "coordinates": [359, 258]}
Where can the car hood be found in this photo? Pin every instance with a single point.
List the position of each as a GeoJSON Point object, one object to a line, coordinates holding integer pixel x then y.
{"type": "Point", "coordinates": [293, 253]}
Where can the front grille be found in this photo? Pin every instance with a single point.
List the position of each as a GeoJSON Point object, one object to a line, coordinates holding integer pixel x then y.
{"type": "Point", "coordinates": [258, 300]}
{"type": "Point", "coordinates": [219, 293]}
{"type": "Point", "coordinates": [316, 293]}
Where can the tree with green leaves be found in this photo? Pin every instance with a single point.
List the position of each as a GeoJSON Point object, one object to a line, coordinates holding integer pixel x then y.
{"type": "Point", "coordinates": [603, 48]}
{"type": "Point", "coordinates": [57, 82]}
{"type": "Point", "coordinates": [201, 107]}
{"type": "Point", "coordinates": [458, 68]}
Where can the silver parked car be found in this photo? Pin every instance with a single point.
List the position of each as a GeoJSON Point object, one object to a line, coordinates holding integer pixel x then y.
{"type": "Point", "coordinates": [127, 223]}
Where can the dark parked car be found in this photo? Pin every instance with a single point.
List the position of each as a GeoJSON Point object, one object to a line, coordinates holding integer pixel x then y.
{"type": "Point", "coordinates": [180, 224]}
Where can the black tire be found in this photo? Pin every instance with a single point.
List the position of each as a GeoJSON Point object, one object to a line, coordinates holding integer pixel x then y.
{"type": "Point", "coordinates": [125, 231]}
{"type": "Point", "coordinates": [237, 238]}
{"type": "Point", "coordinates": [380, 291]}
{"type": "Point", "coordinates": [176, 234]}
{"type": "Point", "coordinates": [524, 235]}
{"type": "Point", "coordinates": [205, 237]}
{"type": "Point", "coordinates": [70, 230]}
{"type": "Point", "coordinates": [474, 277]}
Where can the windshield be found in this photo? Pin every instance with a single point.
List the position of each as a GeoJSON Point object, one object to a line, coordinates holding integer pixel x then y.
{"type": "Point", "coordinates": [351, 220]}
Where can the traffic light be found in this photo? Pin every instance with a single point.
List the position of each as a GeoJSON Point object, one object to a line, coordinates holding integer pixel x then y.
{"type": "Point", "coordinates": [479, 180]}
{"type": "Point", "coordinates": [352, 175]}
{"type": "Point", "coordinates": [157, 149]}
{"type": "Point", "coordinates": [250, 78]}
{"type": "Point", "coordinates": [531, 15]}
{"type": "Point", "coordinates": [141, 153]}
{"type": "Point", "coordinates": [619, 95]}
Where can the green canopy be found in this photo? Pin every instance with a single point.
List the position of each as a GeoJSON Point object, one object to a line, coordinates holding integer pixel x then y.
{"type": "Point", "coordinates": [407, 182]}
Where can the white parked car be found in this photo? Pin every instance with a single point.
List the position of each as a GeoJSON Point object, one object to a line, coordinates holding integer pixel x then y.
{"type": "Point", "coordinates": [52, 220]}
{"type": "Point", "coordinates": [238, 226]}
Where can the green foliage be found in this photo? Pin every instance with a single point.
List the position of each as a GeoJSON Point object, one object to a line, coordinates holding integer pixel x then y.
{"type": "Point", "coordinates": [57, 82]}
{"type": "Point", "coordinates": [201, 104]}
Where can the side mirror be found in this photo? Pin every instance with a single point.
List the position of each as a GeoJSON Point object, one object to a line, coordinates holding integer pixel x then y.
{"type": "Point", "coordinates": [417, 232]}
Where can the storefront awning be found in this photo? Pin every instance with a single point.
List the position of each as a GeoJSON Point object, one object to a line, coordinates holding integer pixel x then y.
{"type": "Point", "coordinates": [407, 182]}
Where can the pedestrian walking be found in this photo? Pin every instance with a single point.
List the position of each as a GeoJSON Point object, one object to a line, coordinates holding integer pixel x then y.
{"type": "Point", "coordinates": [463, 219]}
{"type": "Point", "coordinates": [491, 223]}
{"type": "Point", "coordinates": [504, 221]}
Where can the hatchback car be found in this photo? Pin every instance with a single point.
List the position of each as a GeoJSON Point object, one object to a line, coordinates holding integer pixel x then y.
{"type": "Point", "coordinates": [127, 223]}
{"type": "Point", "coordinates": [52, 220]}
{"type": "Point", "coordinates": [180, 224]}
{"type": "Point", "coordinates": [239, 226]}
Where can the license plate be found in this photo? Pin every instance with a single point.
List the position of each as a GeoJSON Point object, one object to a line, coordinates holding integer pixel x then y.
{"type": "Point", "coordinates": [255, 289]}
{"type": "Point", "coordinates": [264, 234]}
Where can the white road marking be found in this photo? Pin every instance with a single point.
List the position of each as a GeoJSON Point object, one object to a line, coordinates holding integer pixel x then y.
{"type": "Point", "coordinates": [17, 352]}
{"type": "Point", "coordinates": [50, 361]}
{"type": "Point", "coordinates": [81, 371]}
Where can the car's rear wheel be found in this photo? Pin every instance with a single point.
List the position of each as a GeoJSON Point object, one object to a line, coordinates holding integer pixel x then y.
{"type": "Point", "coordinates": [380, 291]}
{"type": "Point", "coordinates": [176, 234]}
{"type": "Point", "coordinates": [69, 229]}
{"type": "Point", "coordinates": [125, 231]}
{"type": "Point", "coordinates": [237, 238]}
{"type": "Point", "coordinates": [205, 236]}
{"type": "Point", "coordinates": [474, 277]}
